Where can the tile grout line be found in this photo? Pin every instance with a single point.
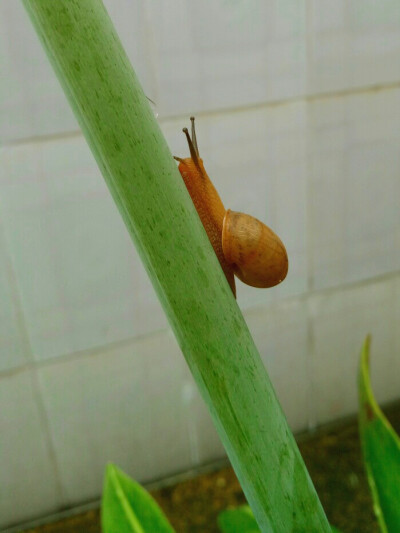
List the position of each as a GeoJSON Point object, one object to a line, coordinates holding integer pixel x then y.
{"type": "Point", "coordinates": [311, 404]}
{"type": "Point", "coordinates": [306, 98]}
{"type": "Point", "coordinates": [311, 414]}
{"type": "Point", "coordinates": [101, 349]}
{"type": "Point", "coordinates": [88, 352]}
{"type": "Point", "coordinates": [31, 368]}
{"type": "Point", "coordinates": [48, 435]}
{"type": "Point", "coordinates": [17, 301]}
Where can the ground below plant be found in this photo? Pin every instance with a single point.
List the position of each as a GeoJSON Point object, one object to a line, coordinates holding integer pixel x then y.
{"type": "Point", "coordinates": [333, 457]}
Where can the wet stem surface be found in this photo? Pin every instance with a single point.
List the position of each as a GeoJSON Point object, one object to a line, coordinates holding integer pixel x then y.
{"type": "Point", "coordinates": [333, 458]}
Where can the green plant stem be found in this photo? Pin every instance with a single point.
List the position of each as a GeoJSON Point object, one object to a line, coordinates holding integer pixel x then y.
{"type": "Point", "coordinates": [136, 163]}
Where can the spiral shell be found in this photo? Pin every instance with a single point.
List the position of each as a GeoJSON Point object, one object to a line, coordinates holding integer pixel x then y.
{"type": "Point", "coordinates": [257, 255]}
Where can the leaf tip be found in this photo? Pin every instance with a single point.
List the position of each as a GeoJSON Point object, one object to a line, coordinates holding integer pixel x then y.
{"type": "Point", "coordinates": [110, 469]}
{"type": "Point", "coordinates": [366, 349]}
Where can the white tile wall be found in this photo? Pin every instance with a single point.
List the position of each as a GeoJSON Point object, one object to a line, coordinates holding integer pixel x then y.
{"type": "Point", "coordinates": [322, 171]}
{"type": "Point", "coordinates": [217, 55]}
{"type": "Point", "coordinates": [385, 346]}
{"type": "Point", "coordinates": [281, 335]}
{"type": "Point", "coordinates": [205, 444]}
{"type": "Point", "coordinates": [221, 57]}
{"type": "Point", "coordinates": [59, 218]}
{"type": "Point", "coordinates": [29, 486]}
{"type": "Point", "coordinates": [396, 296]}
{"type": "Point", "coordinates": [135, 28]}
{"type": "Point", "coordinates": [81, 282]}
{"type": "Point", "coordinates": [354, 187]}
{"type": "Point", "coordinates": [33, 102]}
{"type": "Point", "coordinates": [340, 321]}
{"type": "Point", "coordinates": [123, 405]}
{"type": "Point", "coordinates": [14, 350]}
{"type": "Point", "coordinates": [353, 44]}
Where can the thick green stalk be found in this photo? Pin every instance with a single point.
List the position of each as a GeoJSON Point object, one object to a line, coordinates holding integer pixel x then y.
{"type": "Point", "coordinates": [136, 163]}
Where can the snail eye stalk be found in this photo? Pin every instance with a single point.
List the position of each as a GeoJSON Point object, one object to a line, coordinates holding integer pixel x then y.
{"type": "Point", "coordinates": [193, 153]}
{"type": "Point", "coordinates": [194, 139]}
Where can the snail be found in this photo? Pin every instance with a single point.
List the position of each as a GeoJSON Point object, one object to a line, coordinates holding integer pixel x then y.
{"type": "Point", "coordinates": [245, 247]}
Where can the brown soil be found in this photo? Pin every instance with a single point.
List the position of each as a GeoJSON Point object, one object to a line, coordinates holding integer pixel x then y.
{"type": "Point", "coordinates": [332, 456]}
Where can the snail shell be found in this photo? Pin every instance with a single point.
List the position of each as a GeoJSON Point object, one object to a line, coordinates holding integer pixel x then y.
{"type": "Point", "coordinates": [256, 254]}
{"type": "Point", "coordinates": [244, 245]}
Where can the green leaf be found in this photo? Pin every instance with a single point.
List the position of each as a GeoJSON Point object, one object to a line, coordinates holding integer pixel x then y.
{"type": "Point", "coordinates": [239, 519]}
{"type": "Point", "coordinates": [381, 450]}
{"type": "Point", "coordinates": [137, 165]}
{"type": "Point", "coordinates": [242, 520]}
{"type": "Point", "coordinates": [128, 508]}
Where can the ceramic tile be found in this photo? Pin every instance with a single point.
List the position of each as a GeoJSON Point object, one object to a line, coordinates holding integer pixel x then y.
{"type": "Point", "coordinates": [340, 321]}
{"type": "Point", "coordinates": [29, 486]}
{"type": "Point", "coordinates": [80, 279]}
{"type": "Point", "coordinates": [281, 336]}
{"type": "Point", "coordinates": [353, 44]}
{"type": "Point", "coordinates": [33, 102]}
{"type": "Point", "coordinates": [132, 21]}
{"type": "Point", "coordinates": [209, 57]}
{"type": "Point", "coordinates": [13, 349]}
{"type": "Point", "coordinates": [385, 349]}
{"type": "Point", "coordinates": [354, 215]}
{"type": "Point", "coordinates": [290, 199]}
{"type": "Point", "coordinates": [205, 444]}
{"type": "Point", "coordinates": [396, 349]}
{"type": "Point", "coordinates": [123, 405]}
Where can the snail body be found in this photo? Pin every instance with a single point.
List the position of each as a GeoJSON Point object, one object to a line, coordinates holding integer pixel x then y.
{"type": "Point", "coordinates": [245, 247]}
